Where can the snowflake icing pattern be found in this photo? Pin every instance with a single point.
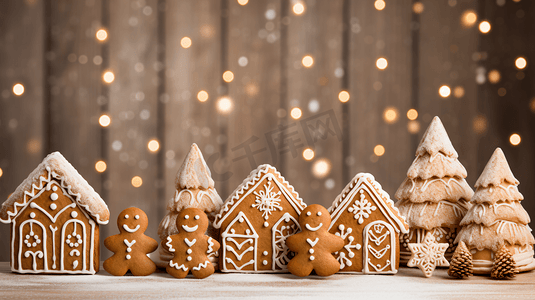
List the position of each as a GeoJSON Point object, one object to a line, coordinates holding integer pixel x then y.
{"type": "Point", "coordinates": [267, 201]}
{"type": "Point", "coordinates": [342, 258]}
{"type": "Point", "coordinates": [362, 208]}
{"type": "Point", "coordinates": [428, 255]}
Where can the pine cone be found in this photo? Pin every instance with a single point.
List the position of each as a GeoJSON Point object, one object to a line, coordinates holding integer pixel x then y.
{"type": "Point", "coordinates": [504, 265]}
{"type": "Point", "coordinates": [461, 262]}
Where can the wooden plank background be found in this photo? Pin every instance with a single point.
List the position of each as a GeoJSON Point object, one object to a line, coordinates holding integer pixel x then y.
{"type": "Point", "coordinates": [50, 48]}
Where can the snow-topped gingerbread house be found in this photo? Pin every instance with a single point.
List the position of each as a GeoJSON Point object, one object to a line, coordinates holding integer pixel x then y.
{"type": "Point", "coordinates": [365, 217]}
{"type": "Point", "coordinates": [55, 216]}
{"type": "Point", "coordinates": [255, 221]}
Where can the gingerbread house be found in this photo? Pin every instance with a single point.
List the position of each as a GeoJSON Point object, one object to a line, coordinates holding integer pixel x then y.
{"type": "Point", "coordinates": [55, 216]}
{"type": "Point", "coordinates": [255, 221]}
{"type": "Point", "coordinates": [365, 217]}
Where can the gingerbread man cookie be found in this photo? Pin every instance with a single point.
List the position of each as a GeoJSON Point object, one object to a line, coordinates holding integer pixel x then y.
{"type": "Point", "coordinates": [190, 246]}
{"type": "Point", "coordinates": [131, 246]}
{"type": "Point", "coordinates": [314, 245]}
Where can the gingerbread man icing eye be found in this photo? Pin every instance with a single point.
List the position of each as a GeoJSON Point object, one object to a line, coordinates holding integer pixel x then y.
{"type": "Point", "coordinates": [126, 216]}
{"type": "Point", "coordinates": [137, 217]}
{"type": "Point", "coordinates": [309, 213]}
{"type": "Point", "coordinates": [319, 213]}
{"type": "Point", "coordinates": [186, 217]}
{"type": "Point", "coordinates": [197, 217]}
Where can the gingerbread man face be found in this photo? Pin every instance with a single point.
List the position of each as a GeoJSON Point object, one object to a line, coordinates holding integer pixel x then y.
{"type": "Point", "coordinates": [192, 220]}
{"type": "Point", "coordinates": [132, 220]}
{"type": "Point", "coordinates": [315, 217]}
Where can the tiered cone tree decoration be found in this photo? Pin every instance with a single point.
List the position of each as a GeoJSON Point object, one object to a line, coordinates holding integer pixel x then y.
{"type": "Point", "coordinates": [461, 262]}
{"type": "Point", "coordinates": [435, 195]}
{"type": "Point", "coordinates": [194, 188]}
{"type": "Point", "coordinates": [497, 219]}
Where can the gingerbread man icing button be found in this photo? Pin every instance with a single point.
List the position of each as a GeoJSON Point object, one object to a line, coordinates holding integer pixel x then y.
{"type": "Point", "coordinates": [314, 245]}
{"type": "Point", "coordinates": [191, 246]}
{"type": "Point", "coordinates": [131, 245]}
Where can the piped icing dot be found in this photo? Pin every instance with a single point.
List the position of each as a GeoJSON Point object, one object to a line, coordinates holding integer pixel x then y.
{"type": "Point", "coordinates": [312, 257]}
{"type": "Point", "coordinates": [197, 217]}
{"type": "Point", "coordinates": [265, 253]}
{"type": "Point", "coordinates": [309, 213]}
{"type": "Point", "coordinates": [265, 262]}
{"type": "Point", "coordinates": [54, 196]}
{"type": "Point", "coordinates": [126, 216]}
{"type": "Point", "coordinates": [136, 217]}
{"type": "Point", "coordinates": [128, 256]}
{"type": "Point", "coordinates": [319, 213]}
{"type": "Point", "coordinates": [54, 188]}
{"type": "Point", "coordinates": [189, 251]}
{"type": "Point", "coordinates": [53, 206]}
{"type": "Point", "coordinates": [129, 249]}
{"type": "Point", "coordinates": [74, 214]}
{"type": "Point", "coordinates": [189, 258]}
{"type": "Point", "coordinates": [266, 224]}
{"type": "Point", "coordinates": [311, 251]}
{"type": "Point", "coordinates": [32, 215]}
{"type": "Point", "coordinates": [186, 217]}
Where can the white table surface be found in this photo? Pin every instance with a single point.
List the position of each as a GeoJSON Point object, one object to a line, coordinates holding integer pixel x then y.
{"type": "Point", "coordinates": [407, 284]}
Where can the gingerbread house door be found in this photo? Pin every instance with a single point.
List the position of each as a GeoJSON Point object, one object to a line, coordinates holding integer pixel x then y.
{"type": "Point", "coordinates": [240, 242]}
{"type": "Point", "coordinates": [73, 246]}
{"type": "Point", "coordinates": [285, 227]}
{"type": "Point", "coordinates": [379, 253]}
{"type": "Point", "coordinates": [32, 246]}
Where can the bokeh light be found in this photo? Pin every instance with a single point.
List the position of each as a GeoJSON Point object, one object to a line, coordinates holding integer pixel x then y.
{"type": "Point", "coordinates": [298, 8]}
{"type": "Point", "coordinates": [104, 120]}
{"type": "Point", "coordinates": [444, 91]}
{"type": "Point", "coordinates": [137, 181]}
{"type": "Point", "coordinates": [479, 124]}
{"type": "Point", "coordinates": [153, 145]}
{"type": "Point", "coordinates": [413, 127]}
{"type": "Point", "coordinates": [224, 105]}
{"type": "Point", "coordinates": [494, 76]}
{"type": "Point", "coordinates": [484, 27]}
{"type": "Point", "coordinates": [379, 4]}
{"type": "Point", "coordinates": [307, 61]}
{"type": "Point", "coordinates": [379, 150]}
{"type": "Point", "coordinates": [308, 154]}
{"type": "Point", "coordinates": [296, 113]}
{"type": "Point", "coordinates": [469, 18]}
{"type": "Point", "coordinates": [381, 63]}
{"type": "Point", "coordinates": [202, 96]}
{"type": "Point", "coordinates": [321, 168]}
{"type": "Point", "coordinates": [521, 63]}
{"type": "Point", "coordinates": [243, 2]}
{"type": "Point", "coordinates": [1, 172]}
{"type": "Point", "coordinates": [458, 92]}
{"type": "Point", "coordinates": [412, 114]}
{"type": "Point", "coordinates": [108, 77]}
{"type": "Point", "coordinates": [343, 96]}
{"type": "Point", "coordinates": [101, 35]}
{"type": "Point", "coordinates": [418, 7]}
{"type": "Point", "coordinates": [228, 76]}
{"type": "Point", "coordinates": [515, 139]}
{"type": "Point", "coordinates": [390, 115]}
{"type": "Point", "coordinates": [185, 42]}
{"type": "Point", "coordinates": [100, 166]}
{"type": "Point", "coordinates": [18, 89]}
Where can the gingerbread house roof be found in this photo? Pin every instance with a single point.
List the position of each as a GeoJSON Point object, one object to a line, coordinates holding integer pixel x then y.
{"type": "Point", "coordinates": [55, 166]}
{"type": "Point", "coordinates": [379, 196]}
{"type": "Point", "coordinates": [194, 173]}
{"type": "Point", "coordinates": [250, 182]}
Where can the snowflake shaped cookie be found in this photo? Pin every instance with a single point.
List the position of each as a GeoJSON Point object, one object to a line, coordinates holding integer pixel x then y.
{"type": "Point", "coordinates": [362, 208]}
{"type": "Point", "coordinates": [428, 255]}
{"type": "Point", "coordinates": [267, 201]}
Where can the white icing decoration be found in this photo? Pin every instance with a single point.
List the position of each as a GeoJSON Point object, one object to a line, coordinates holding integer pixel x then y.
{"type": "Point", "coordinates": [319, 213]}
{"type": "Point", "coordinates": [74, 214]}
{"type": "Point", "coordinates": [265, 262]}
{"type": "Point", "coordinates": [189, 258]}
{"type": "Point", "coordinates": [126, 216]}
{"type": "Point", "coordinates": [129, 244]}
{"type": "Point", "coordinates": [279, 235]}
{"type": "Point", "coordinates": [342, 258]}
{"type": "Point", "coordinates": [267, 201]}
{"type": "Point", "coordinates": [239, 256]}
{"type": "Point", "coordinates": [373, 233]}
{"type": "Point", "coordinates": [313, 243]}
{"type": "Point", "coordinates": [266, 224]}
{"type": "Point", "coordinates": [313, 228]}
{"type": "Point", "coordinates": [197, 217]}
{"type": "Point", "coordinates": [239, 245]}
{"type": "Point", "coordinates": [128, 256]}
{"type": "Point", "coordinates": [190, 243]}
{"type": "Point", "coordinates": [186, 217]}
{"type": "Point", "coordinates": [309, 213]}
{"type": "Point", "coordinates": [311, 251]}
{"type": "Point", "coordinates": [201, 266]}
{"type": "Point", "coordinates": [228, 260]}
{"type": "Point", "coordinates": [54, 188]}
{"type": "Point", "coordinates": [265, 253]}
{"type": "Point", "coordinates": [32, 215]}
{"type": "Point", "coordinates": [362, 208]}
{"type": "Point", "coordinates": [53, 219]}
{"type": "Point", "coordinates": [53, 206]}
{"type": "Point", "coordinates": [210, 246]}
{"type": "Point", "coordinates": [125, 227]}
{"type": "Point", "coordinates": [168, 244]}
{"type": "Point", "coordinates": [189, 229]}
{"type": "Point", "coordinates": [176, 266]}
{"type": "Point", "coordinates": [189, 251]}
{"type": "Point", "coordinates": [312, 257]}
{"type": "Point", "coordinates": [74, 252]}
{"type": "Point", "coordinates": [136, 217]}
{"type": "Point", "coordinates": [74, 264]}
{"type": "Point", "coordinates": [54, 197]}
{"type": "Point", "coordinates": [227, 238]}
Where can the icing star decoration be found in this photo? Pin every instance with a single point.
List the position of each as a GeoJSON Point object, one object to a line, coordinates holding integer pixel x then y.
{"type": "Point", "coordinates": [428, 255]}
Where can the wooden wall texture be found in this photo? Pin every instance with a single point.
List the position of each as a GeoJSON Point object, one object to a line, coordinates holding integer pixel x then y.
{"type": "Point", "coordinates": [50, 47]}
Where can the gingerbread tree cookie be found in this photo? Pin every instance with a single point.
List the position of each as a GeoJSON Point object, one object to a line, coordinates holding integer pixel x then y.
{"type": "Point", "coordinates": [194, 188]}
{"type": "Point", "coordinates": [314, 245]}
{"type": "Point", "coordinates": [435, 195]}
{"type": "Point", "coordinates": [191, 247]}
{"type": "Point", "coordinates": [131, 245]}
{"type": "Point", "coordinates": [497, 218]}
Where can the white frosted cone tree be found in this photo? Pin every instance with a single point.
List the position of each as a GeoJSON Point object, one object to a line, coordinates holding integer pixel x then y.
{"type": "Point", "coordinates": [435, 195]}
{"type": "Point", "coordinates": [497, 218]}
{"type": "Point", "coordinates": [194, 188]}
